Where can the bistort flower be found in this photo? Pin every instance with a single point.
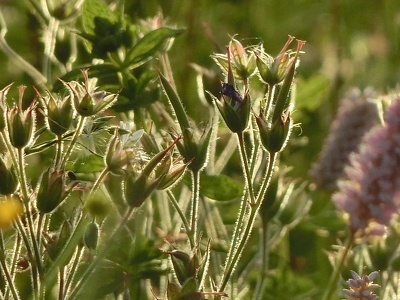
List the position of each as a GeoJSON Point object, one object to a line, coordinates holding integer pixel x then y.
{"type": "Point", "coordinates": [370, 193]}
{"type": "Point", "coordinates": [356, 116]}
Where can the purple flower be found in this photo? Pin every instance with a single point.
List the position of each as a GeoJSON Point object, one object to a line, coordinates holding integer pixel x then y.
{"type": "Point", "coordinates": [361, 287]}
{"type": "Point", "coordinates": [355, 117]}
{"type": "Point", "coordinates": [370, 192]}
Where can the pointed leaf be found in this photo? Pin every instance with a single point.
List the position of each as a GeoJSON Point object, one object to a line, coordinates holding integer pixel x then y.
{"type": "Point", "coordinates": [149, 44]}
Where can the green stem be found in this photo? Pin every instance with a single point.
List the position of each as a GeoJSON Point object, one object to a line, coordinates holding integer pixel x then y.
{"type": "Point", "coordinates": [29, 217]}
{"type": "Point", "coordinates": [246, 168]}
{"type": "Point", "coordinates": [61, 284]}
{"type": "Point", "coordinates": [9, 276]}
{"type": "Point", "coordinates": [73, 268]}
{"type": "Point", "coordinates": [99, 179]}
{"type": "Point", "coordinates": [16, 255]}
{"type": "Point", "coordinates": [259, 293]}
{"type": "Point", "coordinates": [195, 204]}
{"type": "Point", "coordinates": [99, 256]}
{"type": "Point", "coordinates": [59, 148]}
{"type": "Point", "coordinates": [332, 286]}
{"type": "Point", "coordinates": [50, 33]}
{"type": "Point", "coordinates": [238, 248]}
{"type": "Point", "coordinates": [243, 210]}
{"type": "Point", "coordinates": [78, 131]}
{"type": "Point", "coordinates": [38, 78]}
{"type": "Point", "coordinates": [68, 250]}
{"type": "Point", "coordinates": [185, 222]}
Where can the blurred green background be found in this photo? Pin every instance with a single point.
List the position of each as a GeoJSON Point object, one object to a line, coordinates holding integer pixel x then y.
{"type": "Point", "coordinates": [349, 43]}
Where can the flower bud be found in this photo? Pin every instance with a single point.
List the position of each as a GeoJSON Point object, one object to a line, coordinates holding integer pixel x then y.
{"type": "Point", "coordinates": [117, 157]}
{"type": "Point", "coordinates": [274, 139]}
{"type": "Point", "coordinates": [234, 109]}
{"type": "Point", "coordinates": [10, 209]}
{"type": "Point", "coordinates": [283, 98]}
{"type": "Point", "coordinates": [51, 191]}
{"type": "Point", "coordinates": [149, 143]}
{"type": "Point", "coordinates": [243, 63]}
{"type": "Point", "coordinates": [185, 266]}
{"type": "Point", "coordinates": [59, 113]}
{"type": "Point", "coordinates": [87, 101]}
{"type": "Point", "coordinates": [138, 188]}
{"type": "Point", "coordinates": [21, 122]}
{"type": "Point", "coordinates": [91, 236]}
{"type": "Point", "coordinates": [9, 179]}
{"type": "Point", "coordinates": [194, 150]}
{"type": "Point", "coordinates": [172, 175]}
{"type": "Point", "coordinates": [273, 70]}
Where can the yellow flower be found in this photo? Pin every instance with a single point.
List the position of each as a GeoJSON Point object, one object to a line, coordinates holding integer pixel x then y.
{"type": "Point", "coordinates": [10, 209]}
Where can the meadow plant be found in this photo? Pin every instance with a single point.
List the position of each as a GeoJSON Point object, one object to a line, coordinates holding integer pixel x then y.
{"type": "Point", "coordinates": [111, 189]}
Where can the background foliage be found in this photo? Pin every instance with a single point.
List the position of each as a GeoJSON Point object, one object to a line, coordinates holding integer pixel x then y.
{"type": "Point", "coordinates": [349, 43]}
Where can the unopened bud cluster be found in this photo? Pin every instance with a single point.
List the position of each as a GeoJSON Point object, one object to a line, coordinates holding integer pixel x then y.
{"type": "Point", "coordinates": [239, 65]}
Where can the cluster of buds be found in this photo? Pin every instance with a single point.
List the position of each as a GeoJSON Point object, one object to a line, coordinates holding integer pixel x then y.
{"type": "Point", "coordinates": [159, 173]}
{"type": "Point", "coordinates": [274, 120]}
{"type": "Point", "coordinates": [87, 101]}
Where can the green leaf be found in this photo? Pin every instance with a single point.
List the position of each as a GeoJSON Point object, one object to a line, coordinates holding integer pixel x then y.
{"type": "Point", "coordinates": [221, 187]}
{"type": "Point", "coordinates": [88, 164]}
{"type": "Point", "coordinates": [310, 93]}
{"type": "Point", "coordinates": [149, 44]}
{"type": "Point", "coordinates": [92, 9]}
{"type": "Point", "coordinates": [98, 71]}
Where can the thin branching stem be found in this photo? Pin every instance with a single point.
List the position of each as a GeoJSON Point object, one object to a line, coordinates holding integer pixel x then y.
{"type": "Point", "coordinates": [332, 285]}
{"type": "Point", "coordinates": [28, 213]}
{"type": "Point", "coordinates": [238, 250]}
{"type": "Point", "coordinates": [246, 168]}
{"type": "Point", "coordinates": [185, 222]}
{"type": "Point", "coordinates": [84, 277]}
{"type": "Point", "coordinates": [6, 272]}
{"type": "Point", "coordinates": [78, 131]}
{"type": "Point", "coordinates": [195, 204]}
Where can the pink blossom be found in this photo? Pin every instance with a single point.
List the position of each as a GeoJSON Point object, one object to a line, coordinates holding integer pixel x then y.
{"type": "Point", "coordinates": [370, 192]}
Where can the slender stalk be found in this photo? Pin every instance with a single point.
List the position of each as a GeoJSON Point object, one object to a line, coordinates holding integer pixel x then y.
{"type": "Point", "coordinates": [16, 58]}
{"type": "Point", "coordinates": [72, 271]}
{"type": "Point", "coordinates": [49, 36]}
{"type": "Point", "coordinates": [185, 222]}
{"type": "Point", "coordinates": [265, 237]}
{"type": "Point", "coordinates": [332, 286]}
{"type": "Point", "coordinates": [99, 256]}
{"type": "Point", "coordinates": [195, 204]}
{"type": "Point", "coordinates": [243, 210]}
{"type": "Point", "coordinates": [231, 265]}
{"type": "Point", "coordinates": [59, 148]}
{"type": "Point", "coordinates": [29, 217]}
{"type": "Point", "coordinates": [99, 179]}
{"type": "Point", "coordinates": [16, 254]}
{"type": "Point", "coordinates": [9, 275]}
{"type": "Point", "coordinates": [78, 131]}
{"type": "Point", "coordinates": [246, 168]}
{"type": "Point", "coordinates": [61, 283]}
